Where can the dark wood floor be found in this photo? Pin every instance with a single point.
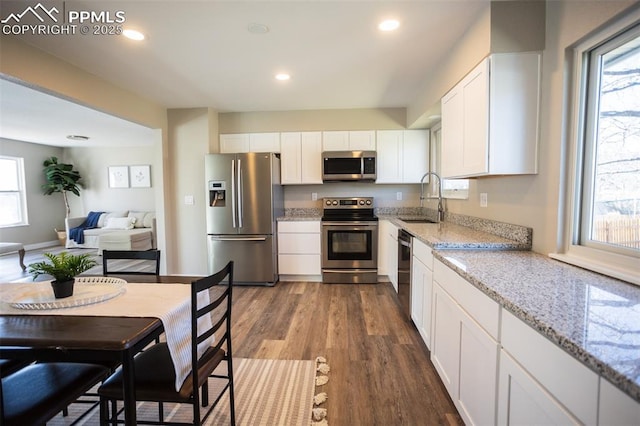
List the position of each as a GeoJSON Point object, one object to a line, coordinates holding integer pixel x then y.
{"type": "Point", "coordinates": [380, 369]}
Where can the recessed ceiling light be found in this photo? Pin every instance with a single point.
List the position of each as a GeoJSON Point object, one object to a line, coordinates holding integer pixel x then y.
{"type": "Point", "coordinates": [283, 77]}
{"type": "Point", "coordinates": [133, 35]}
{"type": "Point", "coordinates": [389, 25]}
{"type": "Point", "coordinates": [255, 28]}
{"type": "Point", "coordinates": [78, 137]}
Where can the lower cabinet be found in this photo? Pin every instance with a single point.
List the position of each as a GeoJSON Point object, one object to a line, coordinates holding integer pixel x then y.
{"type": "Point", "coordinates": [422, 289]}
{"type": "Point", "coordinates": [299, 249]}
{"type": "Point", "coordinates": [466, 359]}
{"type": "Point", "coordinates": [388, 251]}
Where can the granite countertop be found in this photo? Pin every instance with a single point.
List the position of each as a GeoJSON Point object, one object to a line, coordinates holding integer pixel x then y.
{"type": "Point", "coordinates": [594, 318]}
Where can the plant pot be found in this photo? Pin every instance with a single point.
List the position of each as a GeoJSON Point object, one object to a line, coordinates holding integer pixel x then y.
{"type": "Point", "coordinates": [62, 237]}
{"type": "Point", "coordinates": [62, 289]}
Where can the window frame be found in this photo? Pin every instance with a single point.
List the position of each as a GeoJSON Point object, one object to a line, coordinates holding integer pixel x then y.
{"type": "Point", "coordinates": [599, 257]}
{"type": "Point", "coordinates": [435, 156]}
{"type": "Point", "coordinates": [21, 191]}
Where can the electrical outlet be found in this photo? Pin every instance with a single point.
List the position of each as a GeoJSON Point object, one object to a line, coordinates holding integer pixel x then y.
{"type": "Point", "coordinates": [483, 199]}
{"type": "Point", "coordinates": [314, 196]}
{"type": "Point", "coordinates": [399, 196]}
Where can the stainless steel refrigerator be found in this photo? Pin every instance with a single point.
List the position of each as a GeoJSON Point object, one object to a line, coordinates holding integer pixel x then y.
{"type": "Point", "coordinates": [245, 198]}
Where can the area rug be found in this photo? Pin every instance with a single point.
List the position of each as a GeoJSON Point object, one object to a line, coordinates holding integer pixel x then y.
{"type": "Point", "coordinates": [267, 392]}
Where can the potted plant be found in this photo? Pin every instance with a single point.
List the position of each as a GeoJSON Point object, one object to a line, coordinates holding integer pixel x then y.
{"type": "Point", "coordinates": [63, 268]}
{"type": "Point", "coordinates": [61, 178]}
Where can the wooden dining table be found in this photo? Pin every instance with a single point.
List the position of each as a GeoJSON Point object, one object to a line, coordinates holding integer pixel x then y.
{"type": "Point", "coordinates": [59, 337]}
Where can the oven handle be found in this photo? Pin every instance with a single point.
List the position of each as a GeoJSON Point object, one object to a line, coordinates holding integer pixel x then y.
{"type": "Point", "coordinates": [348, 271]}
{"type": "Point", "coordinates": [356, 223]}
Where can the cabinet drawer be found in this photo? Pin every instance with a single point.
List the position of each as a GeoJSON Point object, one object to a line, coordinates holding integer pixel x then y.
{"type": "Point", "coordinates": [299, 264]}
{"type": "Point", "coordinates": [477, 304]}
{"type": "Point", "coordinates": [569, 381]}
{"type": "Point", "coordinates": [423, 253]}
{"type": "Point", "coordinates": [305, 226]}
{"type": "Point", "coordinates": [298, 243]}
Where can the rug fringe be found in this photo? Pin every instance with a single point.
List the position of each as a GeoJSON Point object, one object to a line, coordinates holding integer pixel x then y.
{"type": "Point", "coordinates": [319, 414]}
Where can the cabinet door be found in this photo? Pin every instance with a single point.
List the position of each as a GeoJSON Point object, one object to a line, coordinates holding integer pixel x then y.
{"type": "Point", "coordinates": [335, 141]}
{"type": "Point", "coordinates": [445, 351]}
{"type": "Point", "coordinates": [478, 374]}
{"type": "Point", "coordinates": [392, 245]}
{"type": "Point", "coordinates": [362, 140]}
{"type": "Point", "coordinates": [264, 142]}
{"type": "Point", "coordinates": [452, 136]}
{"type": "Point", "coordinates": [389, 156]}
{"type": "Point", "coordinates": [475, 129]}
{"type": "Point", "coordinates": [311, 157]}
{"type": "Point", "coordinates": [415, 155]}
{"type": "Point", "coordinates": [522, 401]}
{"type": "Point", "coordinates": [616, 408]}
{"type": "Point", "coordinates": [290, 158]}
{"type": "Point", "coordinates": [232, 144]}
{"type": "Point", "coordinates": [422, 281]}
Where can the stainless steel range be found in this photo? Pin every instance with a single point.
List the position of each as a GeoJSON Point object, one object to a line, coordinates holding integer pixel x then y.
{"type": "Point", "coordinates": [349, 241]}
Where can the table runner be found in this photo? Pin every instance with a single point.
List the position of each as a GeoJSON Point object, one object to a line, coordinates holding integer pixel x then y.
{"type": "Point", "coordinates": [171, 303]}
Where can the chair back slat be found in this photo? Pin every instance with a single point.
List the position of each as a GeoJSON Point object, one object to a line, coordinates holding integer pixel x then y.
{"type": "Point", "coordinates": [145, 256]}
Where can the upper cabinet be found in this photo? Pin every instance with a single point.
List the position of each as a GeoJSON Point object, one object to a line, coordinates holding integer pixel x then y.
{"type": "Point", "coordinates": [250, 142]}
{"type": "Point", "coordinates": [490, 119]}
{"type": "Point", "coordinates": [355, 140]}
{"type": "Point", "coordinates": [402, 155]}
{"type": "Point", "coordinates": [301, 158]}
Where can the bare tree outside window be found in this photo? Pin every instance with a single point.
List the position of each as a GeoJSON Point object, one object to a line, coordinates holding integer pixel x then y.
{"type": "Point", "coordinates": [615, 198]}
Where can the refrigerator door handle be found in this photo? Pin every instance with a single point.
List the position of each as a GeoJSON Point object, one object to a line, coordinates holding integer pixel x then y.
{"type": "Point", "coordinates": [218, 238]}
{"type": "Point", "coordinates": [233, 193]}
{"type": "Point", "coordinates": [240, 194]}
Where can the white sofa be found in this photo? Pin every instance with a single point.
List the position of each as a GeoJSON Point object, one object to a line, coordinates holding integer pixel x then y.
{"type": "Point", "coordinates": [124, 230]}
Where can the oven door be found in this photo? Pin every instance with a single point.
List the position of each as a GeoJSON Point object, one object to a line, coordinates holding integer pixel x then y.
{"type": "Point", "coordinates": [349, 245]}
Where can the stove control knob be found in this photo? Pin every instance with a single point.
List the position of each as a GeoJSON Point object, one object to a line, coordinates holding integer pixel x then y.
{"type": "Point", "coordinates": [368, 202]}
{"type": "Point", "coordinates": [328, 202]}
{"type": "Point", "coordinates": [334, 202]}
{"type": "Point", "coordinates": [361, 202]}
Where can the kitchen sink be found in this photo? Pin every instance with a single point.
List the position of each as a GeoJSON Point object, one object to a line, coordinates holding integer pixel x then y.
{"type": "Point", "coordinates": [418, 221]}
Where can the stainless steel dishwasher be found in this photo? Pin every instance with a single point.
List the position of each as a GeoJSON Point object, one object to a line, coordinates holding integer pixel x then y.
{"type": "Point", "coordinates": [404, 271]}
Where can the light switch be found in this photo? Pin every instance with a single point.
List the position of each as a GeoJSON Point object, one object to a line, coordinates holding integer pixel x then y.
{"type": "Point", "coordinates": [399, 196]}
{"type": "Point", "coordinates": [483, 199]}
{"type": "Point", "coordinates": [188, 200]}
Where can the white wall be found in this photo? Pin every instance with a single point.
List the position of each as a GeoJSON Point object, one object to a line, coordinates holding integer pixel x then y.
{"type": "Point", "coordinates": [93, 164]}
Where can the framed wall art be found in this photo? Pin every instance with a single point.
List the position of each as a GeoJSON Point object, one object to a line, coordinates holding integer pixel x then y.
{"type": "Point", "coordinates": [118, 176]}
{"type": "Point", "coordinates": [140, 176]}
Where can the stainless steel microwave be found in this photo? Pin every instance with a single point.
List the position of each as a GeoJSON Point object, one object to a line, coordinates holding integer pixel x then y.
{"type": "Point", "coordinates": [341, 166]}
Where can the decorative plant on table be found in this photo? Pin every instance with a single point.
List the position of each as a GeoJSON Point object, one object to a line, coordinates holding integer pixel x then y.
{"type": "Point", "coordinates": [61, 178]}
{"type": "Point", "coordinates": [63, 268]}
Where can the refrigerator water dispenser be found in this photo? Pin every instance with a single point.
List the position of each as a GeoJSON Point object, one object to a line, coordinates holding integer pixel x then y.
{"type": "Point", "coordinates": [217, 193]}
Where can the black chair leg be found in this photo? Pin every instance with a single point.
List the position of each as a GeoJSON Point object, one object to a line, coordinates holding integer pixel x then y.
{"type": "Point", "coordinates": [205, 394]}
{"type": "Point", "coordinates": [65, 411]}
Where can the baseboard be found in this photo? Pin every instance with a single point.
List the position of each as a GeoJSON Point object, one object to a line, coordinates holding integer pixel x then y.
{"type": "Point", "coordinates": [42, 245]}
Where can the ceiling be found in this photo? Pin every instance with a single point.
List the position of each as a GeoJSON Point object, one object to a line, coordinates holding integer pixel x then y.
{"type": "Point", "coordinates": [202, 54]}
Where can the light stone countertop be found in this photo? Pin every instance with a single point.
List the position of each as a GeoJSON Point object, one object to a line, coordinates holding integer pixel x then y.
{"type": "Point", "coordinates": [594, 318]}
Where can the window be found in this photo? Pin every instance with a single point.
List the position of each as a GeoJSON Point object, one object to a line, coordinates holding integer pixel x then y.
{"type": "Point", "coordinates": [451, 188]}
{"type": "Point", "coordinates": [603, 232]}
{"type": "Point", "coordinates": [13, 207]}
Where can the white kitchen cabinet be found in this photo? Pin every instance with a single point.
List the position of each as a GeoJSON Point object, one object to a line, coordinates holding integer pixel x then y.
{"type": "Point", "coordinates": [388, 251]}
{"type": "Point", "coordinates": [249, 142]}
{"type": "Point", "coordinates": [490, 119]}
{"type": "Point", "coordinates": [563, 380]}
{"type": "Point", "coordinates": [301, 158]}
{"type": "Point", "coordinates": [464, 344]}
{"type": "Point", "coordinates": [402, 155]}
{"type": "Point", "coordinates": [354, 140]}
{"type": "Point", "coordinates": [264, 142]}
{"type": "Point", "coordinates": [523, 401]}
{"type": "Point", "coordinates": [299, 249]}
{"type": "Point", "coordinates": [234, 143]}
{"type": "Point", "coordinates": [422, 289]}
{"type": "Point", "coordinates": [616, 408]}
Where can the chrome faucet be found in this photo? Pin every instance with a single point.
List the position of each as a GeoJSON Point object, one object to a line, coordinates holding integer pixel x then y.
{"type": "Point", "coordinates": [422, 197]}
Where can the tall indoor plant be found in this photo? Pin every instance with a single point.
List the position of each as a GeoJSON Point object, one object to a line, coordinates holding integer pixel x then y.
{"type": "Point", "coordinates": [61, 178]}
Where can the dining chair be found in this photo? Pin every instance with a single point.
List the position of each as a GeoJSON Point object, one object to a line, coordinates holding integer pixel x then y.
{"type": "Point", "coordinates": [154, 370]}
{"type": "Point", "coordinates": [10, 366]}
{"type": "Point", "coordinates": [136, 268]}
{"type": "Point", "coordinates": [37, 393]}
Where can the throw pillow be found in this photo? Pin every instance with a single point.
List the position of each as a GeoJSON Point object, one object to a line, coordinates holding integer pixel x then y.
{"type": "Point", "coordinates": [148, 219]}
{"type": "Point", "coordinates": [104, 217]}
{"type": "Point", "coordinates": [139, 217]}
{"type": "Point", "coordinates": [120, 223]}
